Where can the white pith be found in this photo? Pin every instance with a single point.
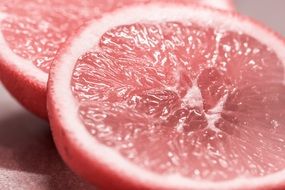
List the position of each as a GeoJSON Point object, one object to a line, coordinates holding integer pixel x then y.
{"type": "Point", "coordinates": [19, 64]}
{"type": "Point", "coordinates": [89, 36]}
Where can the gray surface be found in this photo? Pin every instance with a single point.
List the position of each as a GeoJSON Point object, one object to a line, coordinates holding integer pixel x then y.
{"type": "Point", "coordinates": [16, 124]}
{"type": "Point", "coordinates": [270, 12]}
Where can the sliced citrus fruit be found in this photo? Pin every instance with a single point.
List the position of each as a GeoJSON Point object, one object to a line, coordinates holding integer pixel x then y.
{"type": "Point", "coordinates": [171, 97]}
{"type": "Point", "coordinates": [32, 32]}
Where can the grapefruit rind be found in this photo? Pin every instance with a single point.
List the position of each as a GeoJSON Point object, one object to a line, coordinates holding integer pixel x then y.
{"type": "Point", "coordinates": [220, 4]}
{"type": "Point", "coordinates": [96, 162]}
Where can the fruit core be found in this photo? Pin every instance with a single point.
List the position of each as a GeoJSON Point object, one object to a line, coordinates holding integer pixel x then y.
{"type": "Point", "coordinates": [181, 98]}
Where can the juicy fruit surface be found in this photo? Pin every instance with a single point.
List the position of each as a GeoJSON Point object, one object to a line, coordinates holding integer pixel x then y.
{"type": "Point", "coordinates": [35, 33]}
{"type": "Point", "coordinates": [180, 98]}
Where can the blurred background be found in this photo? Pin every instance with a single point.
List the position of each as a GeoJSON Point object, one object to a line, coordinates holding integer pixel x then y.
{"type": "Point", "coordinates": [28, 159]}
{"type": "Point", "coordinates": [270, 12]}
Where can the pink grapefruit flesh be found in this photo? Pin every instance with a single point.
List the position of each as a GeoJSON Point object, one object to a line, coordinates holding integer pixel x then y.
{"type": "Point", "coordinates": [33, 31]}
{"type": "Point", "coordinates": [167, 102]}
{"type": "Point", "coordinates": [171, 97]}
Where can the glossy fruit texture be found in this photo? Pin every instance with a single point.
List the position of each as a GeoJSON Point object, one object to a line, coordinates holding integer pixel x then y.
{"type": "Point", "coordinates": [171, 97]}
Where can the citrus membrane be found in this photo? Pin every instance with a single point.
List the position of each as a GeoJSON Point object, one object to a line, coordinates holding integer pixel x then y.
{"type": "Point", "coordinates": [33, 31]}
{"type": "Point", "coordinates": [166, 96]}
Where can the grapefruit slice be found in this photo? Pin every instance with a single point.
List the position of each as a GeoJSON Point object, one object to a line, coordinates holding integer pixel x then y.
{"type": "Point", "coordinates": [30, 37]}
{"type": "Point", "coordinates": [171, 97]}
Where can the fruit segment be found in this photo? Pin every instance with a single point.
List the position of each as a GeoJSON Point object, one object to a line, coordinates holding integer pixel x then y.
{"type": "Point", "coordinates": [182, 98]}
{"type": "Point", "coordinates": [172, 97]}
